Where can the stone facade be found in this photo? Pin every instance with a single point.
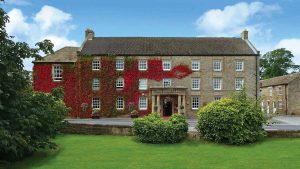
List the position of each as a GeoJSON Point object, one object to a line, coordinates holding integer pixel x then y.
{"type": "Point", "coordinates": [180, 96]}
{"type": "Point", "coordinates": [281, 95]}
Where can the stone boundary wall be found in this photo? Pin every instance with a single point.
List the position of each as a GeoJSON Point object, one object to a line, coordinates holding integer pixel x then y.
{"type": "Point", "coordinates": [127, 131]}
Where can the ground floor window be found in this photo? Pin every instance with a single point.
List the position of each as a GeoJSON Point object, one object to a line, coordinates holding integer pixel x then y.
{"type": "Point", "coordinates": [280, 105]}
{"type": "Point", "coordinates": [120, 103]}
{"type": "Point", "coordinates": [96, 103]}
{"type": "Point", "coordinates": [143, 103]}
{"type": "Point", "coordinates": [195, 103]}
{"type": "Point", "coordinates": [217, 98]}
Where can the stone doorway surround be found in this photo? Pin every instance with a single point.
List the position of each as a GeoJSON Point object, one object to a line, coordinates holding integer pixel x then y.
{"type": "Point", "coordinates": [158, 93]}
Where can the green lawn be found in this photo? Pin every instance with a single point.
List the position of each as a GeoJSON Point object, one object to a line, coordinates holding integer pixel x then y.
{"type": "Point", "coordinates": [89, 152]}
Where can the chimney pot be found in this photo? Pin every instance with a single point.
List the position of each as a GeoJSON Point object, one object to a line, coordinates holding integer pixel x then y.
{"type": "Point", "coordinates": [244, 35]}
{"type": "Point", "coordinates": [89, 34]}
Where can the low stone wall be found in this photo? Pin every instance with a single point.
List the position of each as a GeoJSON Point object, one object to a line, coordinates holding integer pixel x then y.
{"type": "Point", "coordinates": [127, 131]}
{"type": "Point", "coordinates": [98, 129]}
{"type": "Point", "coordinates": [283, 133]}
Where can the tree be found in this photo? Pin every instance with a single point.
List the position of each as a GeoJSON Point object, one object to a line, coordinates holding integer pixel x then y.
{"type": "Point", "coordinates": [277, 63]}
{"type": "Point", "coordinates": [28, 120]}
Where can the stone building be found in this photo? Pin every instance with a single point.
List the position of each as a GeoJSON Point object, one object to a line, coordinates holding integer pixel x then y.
{"type": "Point", "coordinates": [281, 94]}
{"type": "Point", "coordinates": [112, 76]}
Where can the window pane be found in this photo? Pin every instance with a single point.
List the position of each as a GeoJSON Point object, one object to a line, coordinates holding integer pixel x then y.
{"type": "Point", "coordinates": [217, 65]}
{"type": "Point", "coordinates": [96, 103]}
{"type": "Point", "coordinates": [57, 73]}
{"type": "Point", "coordinates": [167, 82]}
{"type": "Point", "coordinates": [217, 83]}
{"type": "Point", "coordinates": [195, 103]}
{"type": "Point", "coordinates": [143, 84]}
{"type": "Point", "coordinates": [239, 82]}
{"type": "Point", "coordinates": [166, 65]}
{"type": "Point", "coordinates": [195, 65]}
{"type": "Point", "coordinates": [143, 65]}
{"type": "Point", "coordinates": [120, 103]}
{"type": "Point", "coordinates": [96, 65]}
{"type": "Point", "coordinates": [143, 103]}
{"type": "Point", "coordinates": [120, 83]}
{"type": "Point", "coordinates": [120, 64]}
{"type": "Point", "coordinates": [196, 83]}
{"type": "Point", "coordinates": [239, 65]}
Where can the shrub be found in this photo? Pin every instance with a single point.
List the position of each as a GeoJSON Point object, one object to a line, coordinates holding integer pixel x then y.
{"type": "Point", "coordinates": [154, 129]}
{"type": "Point", "coordinates": [235, 120]}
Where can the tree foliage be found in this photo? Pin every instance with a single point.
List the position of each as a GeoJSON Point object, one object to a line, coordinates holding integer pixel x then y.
{"type": "Point", "coordinates": [277, 63]}
{"type": "Point", "coordinates": [27, 119]}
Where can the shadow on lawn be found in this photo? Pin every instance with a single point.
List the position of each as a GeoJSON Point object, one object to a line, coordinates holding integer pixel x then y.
{"type": "Point", "coordinates": [39, 158]}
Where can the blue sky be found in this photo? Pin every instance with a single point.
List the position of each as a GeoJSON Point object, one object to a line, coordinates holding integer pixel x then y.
{"type": "Point", "coordinates": [271, 24]}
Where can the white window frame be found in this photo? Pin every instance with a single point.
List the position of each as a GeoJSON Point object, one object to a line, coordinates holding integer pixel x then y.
{"type": "Point", "coordinates": [196, 83]}
{"type": "Point", "coordinates": [195, 102]}
{"type": "Point", "coordinates": [167, 65]}
{"type": "Point", "coordinates": [279, 90]}
{"type": "Point", "coordinates": [96, 84]}
{"type": "Point", "coordinates": [96, 103]}
{"type": "Point", "coordinates": [143, 64]}
{"type": "Point", "coordinates": [120, 106]}
{"type": "Point", "coordinates": [165, 81]}
{"type": "Point", "coordinates": [239, 81]}
{"type": "Point", "coordinates": [143, 84]}
{"type": "Point", "coordinates": [96, 65]}
{"type": "Point", "coordinates": [57, 71]}
{"type": "Point", "coordinates": [270, 91]}
{"type": "Point", "coordinates": [143, 103]}
{"type": "Point", "coordinates": [120, 83]}
{"type": "Point", "coordinates": [239, 65]}
{"type": "Point", "coordinates": [216, 98]}
{"type": "Point", "coordinates": [215, 80]}
{"type": "Point", "coordinates": [217, 65]}
{"type": "Point", "coordinates": [280, 104]}
{"type": "Point", "coordinates": [120, 64]}
{"type": "Point", "coordinates": [195, 65]}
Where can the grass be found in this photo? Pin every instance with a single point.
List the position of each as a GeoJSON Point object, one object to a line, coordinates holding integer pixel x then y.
{"type": "Point", "coordinates": [121, 152]}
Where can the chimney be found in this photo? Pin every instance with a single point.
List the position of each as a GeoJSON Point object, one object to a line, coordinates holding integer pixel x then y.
{"type": "Point", "coordinates": [244, 35]}
{"type": "Point", "coordinates": [89, 34]}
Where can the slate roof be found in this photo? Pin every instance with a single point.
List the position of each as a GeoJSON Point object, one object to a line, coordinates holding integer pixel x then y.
{"type": "Point", "coordinates": [280, 80]}
{"type": "Point", "coordinates": [167, 46]}
{"type": "Point", "coordinates": [65, 54]}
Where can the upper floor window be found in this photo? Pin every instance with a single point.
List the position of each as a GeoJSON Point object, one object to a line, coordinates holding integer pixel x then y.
{"type": "Point", "coordinates": [279, 90]}
{"type": "Point", "coordinates": [239, 82]}
{"type": "Point", "coordinates": [143, 65]}
{"type": "Point", "coordinates": [195, 103]}
{"type": "Point", "coordinates": [96, 84]}
{"type": "Point", "coordinates": [217, 98]}
{"type": "Point", "coordinates": [57, 72]}
{"type": "Point", "coordinates": [239, 66]}
{"type": "Point", "coordinates": [120, 83]}
{"type": "Point", "coordinates": [167, 82]}
{"type": "Point", "coordinates": [195, 65]}
{"type": "Point", "coordinates": [96, 103]}
{"type": "Point", "coordinates": [167, 65]}
{"type": "Point", "coordinates": [195, 83]}
{"type": "Point", "coordinates": [119, 64]}
{"type": "Point", "coordinates": [96, 65]}
{"type": "Point", "coordinates": [120, 103]}
{"type": "Point", "coordinates": [143, 84]}
{"type": "Point", "coordinates": [217, 65]}
{"type": "Point", "coordinates": [217, 83]}
{"type": "Point", "coordinates": [270, 91]}
{"type": "Point", "coordinates": [143, 103]}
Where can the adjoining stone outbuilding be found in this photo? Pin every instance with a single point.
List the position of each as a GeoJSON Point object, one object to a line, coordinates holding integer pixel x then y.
{"type": "Point", "coordinates": [281, 94]}
{"type": "Point", "coordinates": [112, 76]}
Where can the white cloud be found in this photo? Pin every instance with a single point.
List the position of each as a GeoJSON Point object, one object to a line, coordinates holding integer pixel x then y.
{"type": "Point", "coordinates": [293, 45]}
{"type": "Point", "coordinates": [49, 23]}
{"type": "Point", "coordinates": [231, 20]}
{"type": "Point", "coordinates": [18, 2]}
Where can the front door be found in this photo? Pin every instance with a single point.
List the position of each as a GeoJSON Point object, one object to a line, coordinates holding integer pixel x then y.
{"type": "Point", "coordinates": [167, 107]}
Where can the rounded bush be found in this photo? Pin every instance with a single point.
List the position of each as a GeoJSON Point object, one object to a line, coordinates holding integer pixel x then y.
{"type": "Point", "coordinates": [231, 121]}
{"type": "Point", "coordinates": [154, 129]}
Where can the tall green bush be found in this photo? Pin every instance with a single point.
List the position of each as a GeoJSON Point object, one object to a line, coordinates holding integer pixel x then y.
{"type": "Point", "coordinates": [235, 120]}
{"type": "Point", "coordinates": [154, 129]}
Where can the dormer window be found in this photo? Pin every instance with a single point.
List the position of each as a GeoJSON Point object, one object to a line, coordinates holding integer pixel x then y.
{"type": "Point", "coordinates": [56, 72]}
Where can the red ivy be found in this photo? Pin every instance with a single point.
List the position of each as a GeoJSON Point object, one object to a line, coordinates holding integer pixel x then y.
{"type": "Point", "coordinates": [77, 83]}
